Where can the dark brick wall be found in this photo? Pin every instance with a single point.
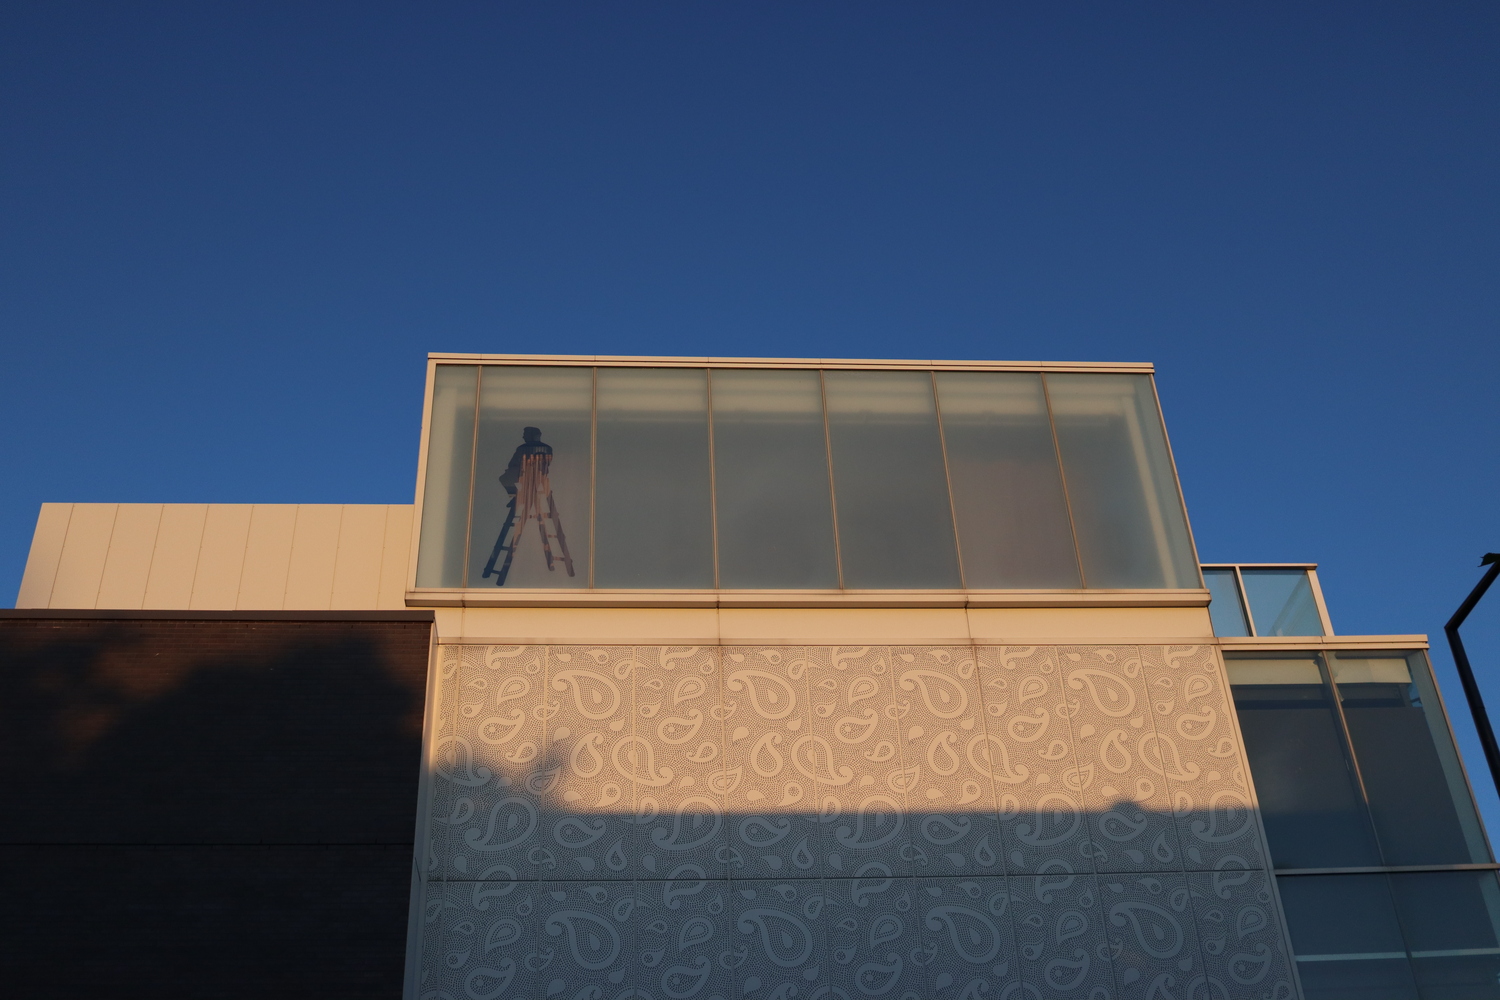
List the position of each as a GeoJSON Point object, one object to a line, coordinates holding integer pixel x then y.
{"type": "Point", "coordinates": [207, 808]}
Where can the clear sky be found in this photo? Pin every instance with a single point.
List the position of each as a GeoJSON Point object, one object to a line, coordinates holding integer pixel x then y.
{"type": "Point", "coordinates": [229, 233]}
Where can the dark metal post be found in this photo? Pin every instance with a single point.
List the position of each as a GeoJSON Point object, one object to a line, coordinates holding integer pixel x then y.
{"type": "Point", "coordinates": [1466, 673]}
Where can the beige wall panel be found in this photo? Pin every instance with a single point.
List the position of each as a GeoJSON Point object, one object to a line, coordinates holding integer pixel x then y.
{"type": "Point", "coordinates": [938, 626]}
{"type": "Point", "coordinates": [128, 565]}
{"type": "Point", "coordinates": [942, 770]}
{"type": "Point", "coordinates": [216, 584]}
{"type": "Point", "coordinates": [268, 556]}
{"type": "Point", "coordinates": [691, 626]}
{"type": "Point", "coordinates": [174, 562]}
{"type": "Point", "coordinates": [82, 564]}
{"type": "Point", "coordinates": [1002, 625]}
{"type": "Point", "coordinates": [395, 557]}
{"type": "Point", "coordinates": [356, 571]}
{"type": "Point", "coordinates": [315, 546]}
{"type": "Point", "coordinates": [46, 552]}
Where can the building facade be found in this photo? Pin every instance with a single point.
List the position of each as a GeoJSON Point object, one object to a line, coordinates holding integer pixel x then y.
{"type": "Point", "coordinates": [801, 679]}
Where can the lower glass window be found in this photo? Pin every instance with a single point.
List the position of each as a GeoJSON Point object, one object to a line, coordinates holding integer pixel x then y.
{"type": "Point", "coordinates": [1429, 935]}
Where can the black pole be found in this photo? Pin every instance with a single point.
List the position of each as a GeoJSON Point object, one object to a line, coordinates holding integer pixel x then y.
{"type": "Point", "coordinates": [1466, 673]}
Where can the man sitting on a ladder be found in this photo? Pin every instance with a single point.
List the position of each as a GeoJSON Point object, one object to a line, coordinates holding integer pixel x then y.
{"type": "Point", "coordinates": [530, 489]}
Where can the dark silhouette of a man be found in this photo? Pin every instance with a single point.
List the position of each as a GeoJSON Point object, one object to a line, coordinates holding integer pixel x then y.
{"type": "Point", "coordinates": [531, 438]}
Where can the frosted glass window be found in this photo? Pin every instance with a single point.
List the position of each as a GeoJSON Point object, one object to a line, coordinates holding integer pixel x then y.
{"type": "Point", "coordinates": [445, 500]}
{"type": "Point", "coordinates": [1132, 531]}
{"type": "Point", "coordinates": [653, 505]}
{"type": "Point", "coordinates": [771, 493]}
{"type": "Point", "coordinates": [1013, 529]}
{"type": "Point", "coordinates": [890, 492]}
{"type": "Point", "coordinates": [556, 404]}
{"type": "Point", "coordinates": [1281, 602]}
{"type": "Point", "coordinates": [1226, 611]}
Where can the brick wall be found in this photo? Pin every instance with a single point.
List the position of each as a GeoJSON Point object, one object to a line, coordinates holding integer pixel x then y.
{"type": "Point", "coordinates": [207, 808]}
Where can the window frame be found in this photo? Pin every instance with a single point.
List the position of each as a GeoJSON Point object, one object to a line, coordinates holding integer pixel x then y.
{"type": "Point", "coordinates": [961, 596]}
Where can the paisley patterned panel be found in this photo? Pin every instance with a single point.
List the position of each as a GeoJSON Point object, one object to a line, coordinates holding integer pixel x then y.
{"type": "Point", "coordinates": [435, 916]}
{"type": "Point", "coordinates": [585, 936]}
{"type": "Point", "coordinates": [1199, 753]}
{"type": "Point", "coordinates": [1244, 948]}
{"type": "Point", "coordinates": [489, 942]}
{"type": "Point", "coordinates": [953, 826]}
{"type": "Point", "coordinates": [1060, 936]}
{"type": "Point", "coordinates": [837, 916]}
{"type": "Point", "coordinates": [771, 807]}
{"type": "Point", "coordinates": [779, 948]}
{"type": "Point", "coordinates": [453, 775]}
{"type": "Point", "coordinates": [685, 930]}
{"type": "Point", "coordinates": [495, 825]}
{"type": "Point", "coordinates": [589, 827]}
{"type": "Point", "coordinates": [853, 760]}
{"type": "Point", "coordinates": [678, 740]}
{"type": "Point", "coordinates": [873, 941]}
{"type": "Point", "coordinates": [967, 946]}
{"type": "Point", "coordinates": [1148, 920]}
{"type": "Point", "coordinates": [1029, 752]}
{"type": "Point", "coordinates": [1128, 803]}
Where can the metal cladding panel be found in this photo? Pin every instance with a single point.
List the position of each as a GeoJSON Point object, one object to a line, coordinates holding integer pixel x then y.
{"type": "Point", "coordinates": [840, 821]}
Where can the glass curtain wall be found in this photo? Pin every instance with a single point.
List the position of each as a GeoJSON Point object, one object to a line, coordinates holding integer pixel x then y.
{"type": "Point", "coordinates": [554, 477]}
{"type": "Point", "coordinates": [1355, 769]}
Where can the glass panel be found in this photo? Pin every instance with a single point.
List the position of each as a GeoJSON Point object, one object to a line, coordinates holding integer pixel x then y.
{"type": "Point", "coordinates": [1225, 609]}
{"type": "Point", "coordinates": [1013, 525]}
{"type": "Point", "coordinates": [775, 516]}
{"type": "Point", "coordinates": [1309, 798]}
{"type": "Point", "coordinates": [1132, 532]}
{"type": "Point", "coordinates": [1452, 925]}
{"type": "Point", "coordinates": [653, 504]}
{"type": "Point", "coordinates": [1422, 807]}
{"type": "Point", "coordinates": [445, 491]}
{"type": "Point", "coordinates": [545, 412]}
{"type": "Point", "coordinates": [1346, 937]}
{"type": "Point", "coordinates": [890, 492]}
{"type": "Point", "coordinates": [1281, 602]}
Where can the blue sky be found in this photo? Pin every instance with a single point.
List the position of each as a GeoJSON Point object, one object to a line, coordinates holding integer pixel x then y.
{"type": "Point", "coordinates": [230, 232]}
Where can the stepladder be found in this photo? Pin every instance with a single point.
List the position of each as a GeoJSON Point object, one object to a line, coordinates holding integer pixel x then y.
{"type": "Point", "coordinates": [532, 501]}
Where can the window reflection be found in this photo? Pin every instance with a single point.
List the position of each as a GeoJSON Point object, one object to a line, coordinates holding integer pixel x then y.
{"type": "Point", "coordinates": [1281, 602]}
{"type": "Point", "coordinates": [1304, 777]}
{"type": "Point", "coordinates": [1418, 797]}
{"type": "Point", "coordinates": [1224, 608]}
{"type": "Point", "coordinates": [1346, 937]}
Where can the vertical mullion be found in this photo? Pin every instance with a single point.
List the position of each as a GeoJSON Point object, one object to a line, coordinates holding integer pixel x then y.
{"type": "Point", "coordinates": [1062, 475]}
{"type": "Point", "coordinates": [1325, 661]}
{"type": "Point", "coordinates": [593, 463]}
{"type": "Point", "coordinates": [473, 467]}
{"type": "Point", "coordinates": [713, 483]}
{"type": "Point", "coordinates": [948, 481]}
{"type": "Point", "coordinates": [1239, 583]}
{"type": "Point", "coordinates": [833, 500]}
